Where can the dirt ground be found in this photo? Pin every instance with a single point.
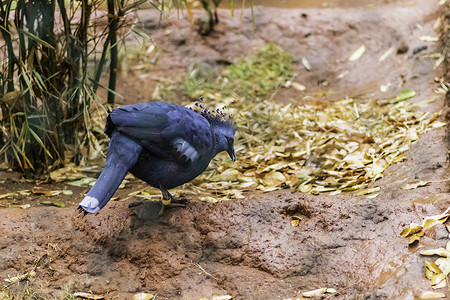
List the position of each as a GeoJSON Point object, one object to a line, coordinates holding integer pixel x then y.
{"type": "Point", "coordinates": [247, 248]}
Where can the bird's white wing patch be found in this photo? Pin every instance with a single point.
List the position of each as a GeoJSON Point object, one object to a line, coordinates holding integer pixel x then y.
{"type": "Point", "coordinates": [186, 149]}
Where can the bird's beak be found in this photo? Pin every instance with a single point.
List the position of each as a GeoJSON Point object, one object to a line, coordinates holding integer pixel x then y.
{"type": "Point", "coordinates": [232, 154]}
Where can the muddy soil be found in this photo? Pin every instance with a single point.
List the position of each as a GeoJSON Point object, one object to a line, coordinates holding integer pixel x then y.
{"type": "Point", "coordinates": [247, 248]}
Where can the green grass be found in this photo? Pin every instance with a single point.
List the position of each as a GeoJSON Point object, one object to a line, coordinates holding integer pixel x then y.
{"type": "Point", "coordinates": [251, 78]}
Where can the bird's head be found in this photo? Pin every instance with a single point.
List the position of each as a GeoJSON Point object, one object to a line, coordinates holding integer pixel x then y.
{"type": "Point", "coordinates": [224, 128]}
{"type": "Point", "coordinates": [225, 139]}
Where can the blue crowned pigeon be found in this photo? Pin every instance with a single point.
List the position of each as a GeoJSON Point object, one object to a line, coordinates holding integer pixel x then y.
{"type": "Point", "coordinates": [164, 144]}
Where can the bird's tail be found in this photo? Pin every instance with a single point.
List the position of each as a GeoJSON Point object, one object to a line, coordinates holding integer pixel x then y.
{"type": "Point", "coordinates": [122, 155]}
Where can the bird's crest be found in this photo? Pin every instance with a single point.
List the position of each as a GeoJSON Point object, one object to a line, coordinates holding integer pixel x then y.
{"type": "Point", "coordinates": [217, 116]}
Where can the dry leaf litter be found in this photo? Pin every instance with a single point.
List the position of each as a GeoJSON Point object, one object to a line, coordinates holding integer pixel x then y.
{"type": "Point", "coordinates": [312, 148]}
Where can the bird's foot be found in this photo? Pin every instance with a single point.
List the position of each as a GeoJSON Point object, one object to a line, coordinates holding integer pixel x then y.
{"type": "Point", "coordinates": [173, 203]}
{"type": "Point", "coordinates": [82, 211]}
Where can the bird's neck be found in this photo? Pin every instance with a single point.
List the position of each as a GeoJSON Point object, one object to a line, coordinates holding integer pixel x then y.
{"type": "Point", "coordinates": [214, 137]}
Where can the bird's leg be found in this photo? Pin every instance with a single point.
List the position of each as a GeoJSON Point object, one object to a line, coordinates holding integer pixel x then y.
{"type": "Point", "coordinates": [168, 201]}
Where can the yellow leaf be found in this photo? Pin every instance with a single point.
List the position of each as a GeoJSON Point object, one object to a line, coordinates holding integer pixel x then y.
{"type": "Point", "coordinates": [445, 267]}
{"type": "Point", "coordinates": [298, 86]}
{"type": "Point", "coordinates": [306, 63]}
{"type": "Point", "coordinates": [274, 178]}
{"type": "Point", "coordinates": [439, 251]}
{"type": "Point", "coordinates": [37, 190]}
{"type": "Point", "coordinates": [371, 196]}
{"type": "Point", "coordinates": [227, 175]}
{"type": "Point", "coordinates": [143, 296]}
{"type": "Point", "coordinates": [221, 297]}
{"type": "Point", "coordinates": [409, 231]}
{"type": "Point", "coordinates": [398, 159]}
{"type": "Point", "coordinates": [376, 169]}
{"type": "Point", "coordinates": [427, 38]}
{"type": "Point", "coordinates": [315, 293]}
{"type": "Point", "coordinates": [438, 281]}
{"type": "Point", "coordinates": [9, 195]}
{"type": "Point", "coordinates": [432, 295]}
{"type": "Point", "coordinates": [295, 220]}
{"type": "Point", "coordinates": [415, 184]}
{"type": "Point", "coordinates": [358, 53]}
{"type": "Point", "coordinates": [428, 223]}
{"type": "Point", "coordinates": [413, 239]}
{"type": "Point", "coordinates": [88, 296]}
{"type": "Point", "coordinates": [355, 159]}
{"type": "Point", "coordinates": [386, 54]}
{"type": "Point", "coordinates": [305, 187]}
{"type": "Point", "coordinates": [208, 199]}
{"type": "Point", "coordinates": [368, 191]}
{"type": "Point", "coordinates": [432, 269]}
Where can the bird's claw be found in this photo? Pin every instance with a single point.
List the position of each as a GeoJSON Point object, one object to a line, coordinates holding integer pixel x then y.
{"type": "Point", "coordinates": [81, 210]}
{"type": "Point", "coordinates": [173, 203]}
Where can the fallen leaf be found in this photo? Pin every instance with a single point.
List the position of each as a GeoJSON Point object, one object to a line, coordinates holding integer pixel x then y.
{"type": "Point", "coordinates": [273, 178]}
{"type": "Point", "coordinates": [9, 195]}
{"type": "Point", "coordinates": [413, 239]}
{"type": "Point", "coordinates": [439, 251]}
{"type": "Point", "coordinates": [298, 86]}
{"type": "Point", "coordinates": [86, 181]}
{"type": "Point", "coordinates": [358, 53]}
{"type": "Point", "coordinates": [411, 230]}
{"type": "Point", "coordinates": [306, 64]}
{"type": "Point", "coordinates": [37, 190]}
{"type": "Point", "coordinates": [368, 191]}
{"type": "Point", "coordinates": [295, 220]}
{"type": "Point", "coordinates": [143, 296]}
{"type": "Point", "coordinates": [208, 199]}
{"type": "Point", "coordinates": [432, 295]}
{"type": "Point", "coordinates": [432, 269]}
{"type": "Point", "coordinates": [227, 175]}
{"type": "Point", "coordinates": [427, 38]}
{"type": "Point", "coordinates": [315, 293]}
{"type": "Point", "coordinates": [50, 203]}
{"type": "Point", "coordinates": [221, 297]}
{"type": "Point", "coordinates": [88, 296]}
{"type": "Point", "coordinates": [386, 54]}
{"type": "Point", "coordinates": [415, 184]}
{"type": "Point", "coordinates": [405, 94]}
{"type": "Point", "coordinates": [445, 267]}
{"type": "Point", "coordinates": [438, 281]}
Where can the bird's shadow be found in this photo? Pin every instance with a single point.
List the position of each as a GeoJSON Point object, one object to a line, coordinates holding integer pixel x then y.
{"type": "Point", "coordinates": [146, 210]}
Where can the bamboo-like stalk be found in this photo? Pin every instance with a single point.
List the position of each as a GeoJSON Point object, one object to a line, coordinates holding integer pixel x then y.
{"type": "Point", "coordinates": [5, 31]}
{"type": "Point", "coordinates": [46, 73]}
{"type": "Point", "coordinates": [112, 21]}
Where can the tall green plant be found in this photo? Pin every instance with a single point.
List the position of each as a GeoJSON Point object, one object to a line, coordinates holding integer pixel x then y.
{"type": "Point", "coordinates": [45, 90]}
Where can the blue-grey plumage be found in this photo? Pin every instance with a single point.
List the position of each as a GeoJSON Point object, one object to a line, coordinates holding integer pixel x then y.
{"type": "Point", "coordinates": [164, 144]}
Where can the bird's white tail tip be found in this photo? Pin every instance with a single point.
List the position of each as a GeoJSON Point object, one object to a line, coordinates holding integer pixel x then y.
{"type": "Point", "coordinates": [90, 204]}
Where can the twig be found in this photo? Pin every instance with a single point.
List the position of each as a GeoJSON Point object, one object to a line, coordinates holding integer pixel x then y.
{"type": "Point", "coordinates": [204, 271]}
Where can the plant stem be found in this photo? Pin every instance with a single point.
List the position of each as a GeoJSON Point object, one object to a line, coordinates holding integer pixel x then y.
{"type": "Point", "coordinates": [112, 21]}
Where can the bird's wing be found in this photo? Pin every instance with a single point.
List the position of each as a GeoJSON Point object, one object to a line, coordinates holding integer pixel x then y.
{"type": "Point", "coordinates": [170, 131]}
